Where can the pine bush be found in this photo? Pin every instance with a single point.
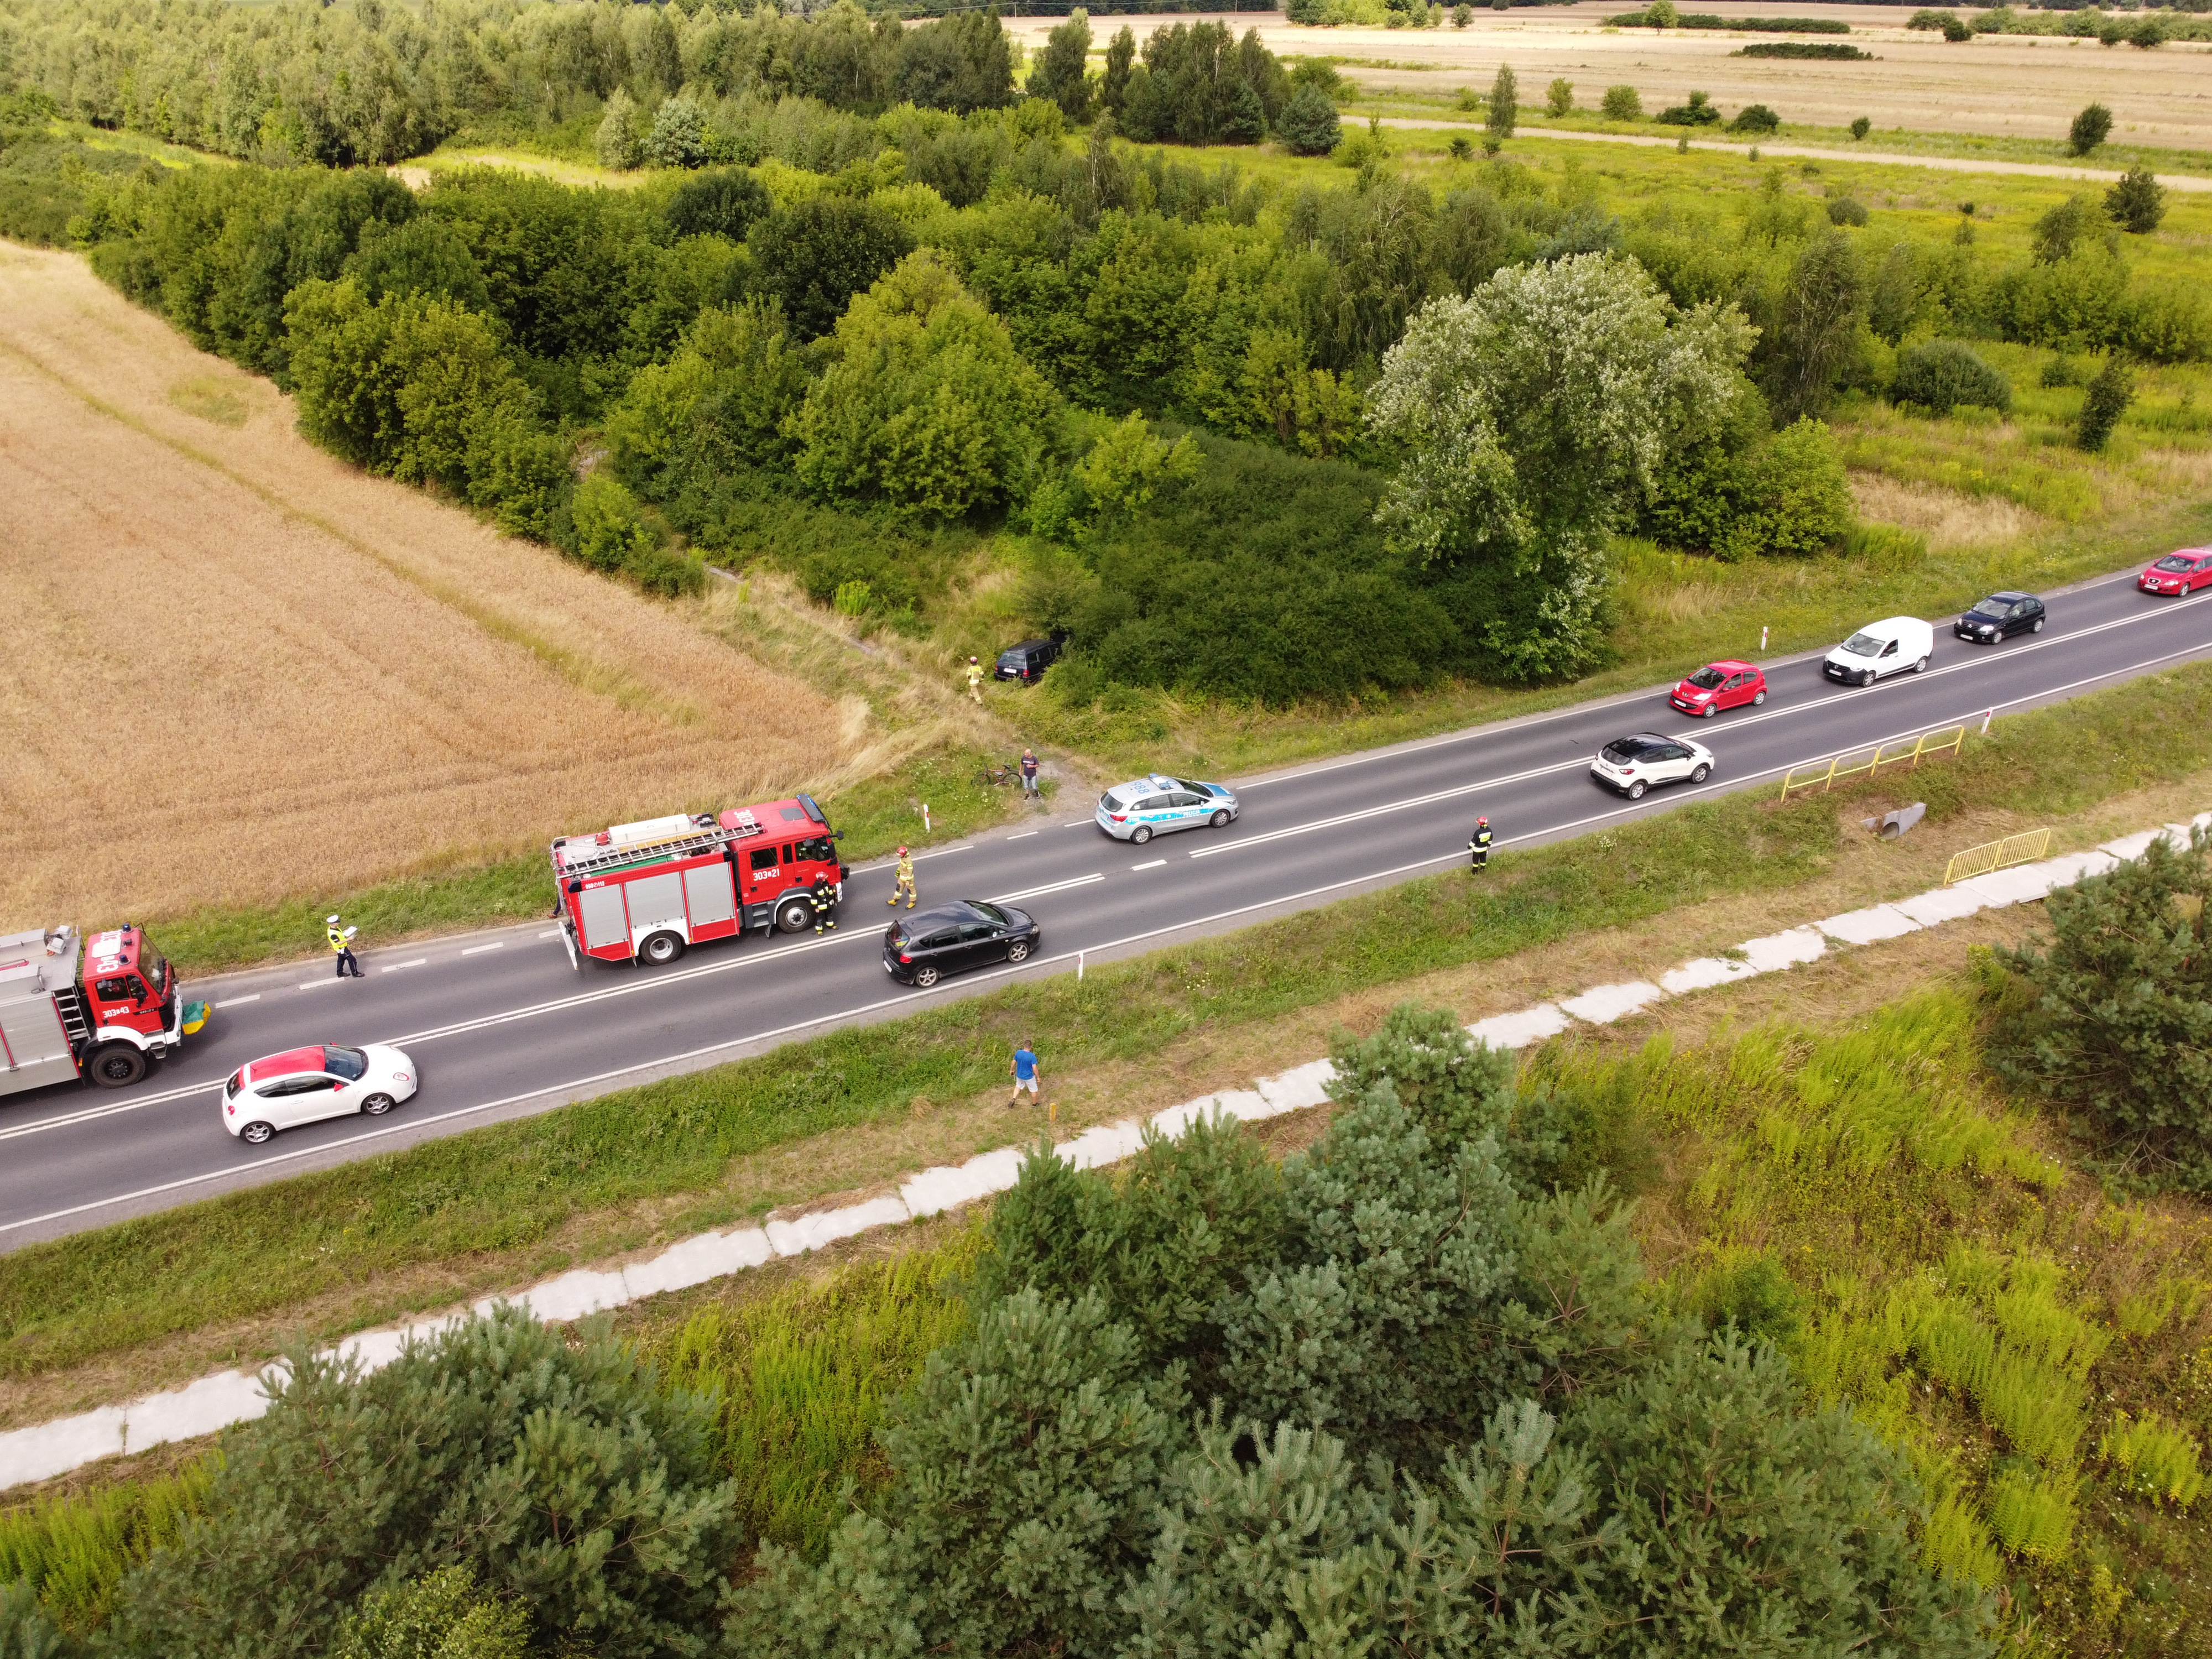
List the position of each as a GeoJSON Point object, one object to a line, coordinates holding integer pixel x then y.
{"type": "Point", "coordinates": [1939, 375]}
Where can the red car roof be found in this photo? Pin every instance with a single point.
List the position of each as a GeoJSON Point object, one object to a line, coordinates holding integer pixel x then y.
{"type": "Point", "coordinates": [1728, 666]}
{"type": "Point", "coordinates": [284, 1065]}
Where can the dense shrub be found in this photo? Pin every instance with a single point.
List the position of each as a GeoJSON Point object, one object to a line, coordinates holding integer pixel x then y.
{"type": "Point", "coordinates": [1309, 124]}
{"type": "Point", "coordinates": [719, 202]}
{"type": "Point", "coordinates": [2106, 399]}
{"type": "Point", "coordinates": [2089, 129]}
{"type": "Point", "coordinates": [1755, 118]}
{"type": "Point", "coordinates": [2137, 202]}
{"type": "Point", "coordinates": [1200, 85]}
{"type": "Point", "coordinates": [1699, 112]}
{"type": "Point", "coordinates": [2117, 1021]}
{"type": "Point", "coordinates": [1941, 374]}
{"type": "Point", "coordinates": [814, 256]}
{"type": "Point", "coordinates": [559, 1475]}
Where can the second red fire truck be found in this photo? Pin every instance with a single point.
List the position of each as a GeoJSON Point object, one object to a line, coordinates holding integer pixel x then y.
{"type": "Point", "coordinates": [645, 892]}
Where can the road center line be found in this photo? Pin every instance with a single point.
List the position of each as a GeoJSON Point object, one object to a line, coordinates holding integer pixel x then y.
{"type": "Point", "coordinates": [478, 950]}
{"type": "Point", "coordinates": [393, 967]}
{"type": "Point", "coordinates": [1154, 865]}
{"type": "Point", "coordinates": [1055, 887]}
{"type": "Point", "coordinates": [232, 1002]}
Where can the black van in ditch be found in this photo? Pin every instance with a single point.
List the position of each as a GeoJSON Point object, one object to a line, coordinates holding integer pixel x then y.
{"type": "Point", "coordinates": [1027, 661]}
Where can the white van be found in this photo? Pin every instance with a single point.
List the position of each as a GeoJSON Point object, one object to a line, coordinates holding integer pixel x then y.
{"type": "Point", "coordinates": [1881, 649]}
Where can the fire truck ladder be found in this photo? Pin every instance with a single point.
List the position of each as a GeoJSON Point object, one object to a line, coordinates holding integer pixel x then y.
{"type": "Point", "coordinates": [673, 846]}
{"type": "Point", "coordinates": [73, 1020]}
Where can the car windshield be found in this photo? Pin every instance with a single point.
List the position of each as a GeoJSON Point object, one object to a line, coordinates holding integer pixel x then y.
{"type": "Point", "coordinates": [151, 965]}
{"type": "Point", "coordinates": [990, 913]}
{"type": "Point", "coordinates": [1707, 679]}
{"type": "Point", "coordinates": [349, 1063]}
{"type": "Point", "coordinates": [1992, 610]}
{"type": "Point", "coordinates": [1626, 749]}
{"type": "Point", "coordinates": [1111, 802]}
{"type": "Point", "coordinates": [2175, 561]}
{"type": "Point", "coordinates": [1194, 788]}
{"type": "Point", "coordinates": [1864, 645]}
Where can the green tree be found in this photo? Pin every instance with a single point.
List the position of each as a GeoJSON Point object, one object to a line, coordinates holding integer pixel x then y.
{"type": "Point", "coordinates": [677, 137]}
{"type": "Point", "coordinates": [26, 1631]}
{"type": "Point", "coordinates": [1941, 375]}
{"type": "Point", "coordinates": [1622, 104]}
{"type": "Point", "coordinates": [2137, 202]}
{"type": "Point", "coordinates": [1310, 124]}
{"type": "Point", "coordinates": [2117, 1022]}
{"type": "Point", "coordinates": [2090, 129]}
{"type": "Point", "coordinates": [1559, 99]}
{"type": "Point", "coordinates": [2107, 398]}
{"type": "Point", "coordinates": [1061, 72]}
{"type": "Point", "coordinates": [2059, 232]}
{"type": "Point", "coordinates": [441, 1615]}
{"type": "Point", "coordinates": [1530, 417]}
{"type": "Point", "coordinates": [718, 404]}
{"type": "Point", "coordinates": [1114, 84]}
{"type": "Point", "coordinates": [718, 202]}
{"type": "Point", "coordinates": [619, 144]}
{"type": "Point", "coordinates": [926, 405]}
{"type": "Point", "coordinates": [962, 62]}
{"type": "Point", "coordinates": [1822, 306]}
{"type": "Point", "coordinates": [816, 254]}
{"type": "Point", "coordinates": [1127, 467]}
{"type": "Point", "coordinates": [561, 1475]}
{"type": "Point", "coordinates": [1504, 108]}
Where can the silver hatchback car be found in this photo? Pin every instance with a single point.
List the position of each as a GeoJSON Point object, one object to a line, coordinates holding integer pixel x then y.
{"type": "Point", "coordinates": [1150, 806]}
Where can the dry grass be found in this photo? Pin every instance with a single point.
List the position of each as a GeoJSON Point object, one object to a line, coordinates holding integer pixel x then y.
{"type": "Point", "coordinates": [1949, 517]}
{"type": "Point", "coordinates": [2008, 85]}
{"type": "Point", "coordinates": [239, 669]}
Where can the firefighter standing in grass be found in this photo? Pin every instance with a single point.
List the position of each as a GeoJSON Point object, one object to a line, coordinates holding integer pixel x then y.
{"type": "Point", "coordinates": [342, 943]}
{"type": "Point", "coordinates": [1478, 845]}
{"type": "Point", "coordinates": [905, 878]}
{"type": "Point", "coordinates": [974, 679]}
{"type": "Point", "coordinates": [822, 897]}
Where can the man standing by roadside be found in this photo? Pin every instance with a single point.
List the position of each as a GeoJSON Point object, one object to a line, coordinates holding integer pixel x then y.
{"type": "Point", "coordinates": [1028, 775]}
{"type": "Point", "coordinates": [342, 943]}
{"type": "Point", "coordinates": [974, 679]}
{"type": "Point", "coordinates": [1028, 1074]}
{"type": "Point", "coordinates": [905, 879]}
{"type": "Point", "coordinates": [1478, 845]}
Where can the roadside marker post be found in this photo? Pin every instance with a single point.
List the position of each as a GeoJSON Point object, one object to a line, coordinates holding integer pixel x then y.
{"type": "Point", "coordinates": [1078, 966]}
{"type": "Point", "coordinates": [1762, 641]}
{"type": "Point", "coordinates": [1988, 714]}
{"type": "Point", "coordinates": [925, 818]}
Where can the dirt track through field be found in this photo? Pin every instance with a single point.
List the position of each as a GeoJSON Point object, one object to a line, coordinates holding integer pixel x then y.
{"type": "Point", "coordinates": [238, 669]}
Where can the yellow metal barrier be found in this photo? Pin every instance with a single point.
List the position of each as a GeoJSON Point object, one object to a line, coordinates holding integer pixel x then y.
{"type": "Point", "coordinates": [2024, 849]}
{"type": "Point", "coordinates": [1818, 776]}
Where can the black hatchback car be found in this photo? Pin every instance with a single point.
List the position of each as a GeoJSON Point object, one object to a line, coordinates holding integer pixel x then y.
{"type": "Point", "coordinates": [1027, 661]}
{"type": "Point", "coordinates": [920, 949]}
{"type": "Point", "coordinates": [1999, 617]}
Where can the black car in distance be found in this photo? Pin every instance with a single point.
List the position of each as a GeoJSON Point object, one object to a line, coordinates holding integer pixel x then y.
{"type": "Point", "coordinates": [1999, 617]}
{"type": "Point", "coordinates": [921, 948]}
{"type": "Point", "coordinates": [1027, 661]}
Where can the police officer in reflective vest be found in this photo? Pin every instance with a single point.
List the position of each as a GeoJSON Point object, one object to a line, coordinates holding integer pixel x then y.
{"type": "Point", "coordinates": [905, 879]}
{"type": "Point", "coordinates": [1478, 845]}
{"type": "Point", "coordinates": [823, 896]}
{"type": "Point", "coordinates": [341, 940]}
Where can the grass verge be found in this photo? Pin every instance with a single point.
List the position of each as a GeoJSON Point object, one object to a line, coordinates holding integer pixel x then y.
{"type": "Point", "coordinates": [511, 1188]}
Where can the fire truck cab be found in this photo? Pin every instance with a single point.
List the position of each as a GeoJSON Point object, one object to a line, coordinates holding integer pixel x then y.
{"type": "Point", "coordinates": [106, 1021]}
{"type": "Point", "coordinates": [647, 891]}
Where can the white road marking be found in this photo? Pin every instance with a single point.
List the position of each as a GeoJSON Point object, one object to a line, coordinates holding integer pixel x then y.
{"type": "Point", "coordinates": [1026, 835]}
{"type": "Point", "coordinates": [550, 932]}
{"type": "Point", "coordinates": [395, 967]}
{"type": "Point", "coordinates": [317, 984]}
{"type": "Point", "coordinates": [1154, 865]}
{"type": "Point", "coordinates": [1055, 887]}
{"type": "Point", "coordinates": [232, 1002]}
{"type": "Point", "coordinates": [478, 950]}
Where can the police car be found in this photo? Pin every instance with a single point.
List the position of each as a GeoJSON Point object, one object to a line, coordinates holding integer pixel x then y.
{"type": "Point", "coordinates": [1153, 805]}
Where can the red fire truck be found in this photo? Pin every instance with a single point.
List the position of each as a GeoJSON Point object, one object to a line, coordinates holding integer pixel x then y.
{"type": "Point", "coordinates": [647, 891]}
{"type": "Point", "coordinates": [106, 1022]}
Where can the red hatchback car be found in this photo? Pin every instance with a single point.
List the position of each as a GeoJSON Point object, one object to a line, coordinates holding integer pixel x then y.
{"type": "Point", "coordinates": [2183, 571]}
{"type": "Point", "coordinates": [1720, 685]}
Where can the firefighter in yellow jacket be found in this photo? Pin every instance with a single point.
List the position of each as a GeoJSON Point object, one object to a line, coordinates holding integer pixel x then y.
{"type": "Point", "coordinates": [905, 878]}
{"type": "Point", "coordinates": [974, 679]}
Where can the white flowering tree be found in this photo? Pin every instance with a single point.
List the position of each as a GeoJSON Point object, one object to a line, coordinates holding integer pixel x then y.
{"type": "Point", "coordinates": [1531, 416]}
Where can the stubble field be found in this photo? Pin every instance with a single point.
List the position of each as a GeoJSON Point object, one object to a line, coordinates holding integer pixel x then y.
{"type": "Point", "coordinates": [1995, 85]}
{"type": "Point", "coordinates": [237, 669]}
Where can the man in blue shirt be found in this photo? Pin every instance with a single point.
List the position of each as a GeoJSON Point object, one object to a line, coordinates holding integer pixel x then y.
{"type": "Point", "coordinates": [1026, 1072]}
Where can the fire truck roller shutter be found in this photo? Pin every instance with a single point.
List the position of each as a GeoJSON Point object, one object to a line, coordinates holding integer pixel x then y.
{"type": "Point", "coordinates": [33, 1046]}
{"type": "Point", "coordinates": [604, 923]}
{"type": "Point", "coordinates": [708, 891]}
{"type": "Point", "coordinates": [655, 903]}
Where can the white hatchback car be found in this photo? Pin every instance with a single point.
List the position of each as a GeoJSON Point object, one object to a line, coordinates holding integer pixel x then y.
{"type": "Point", "coordinates": [1154, 805]}
{"type": "Point", "coordinates": [1881, 649]}
{"type": "Point", "coordinates": [1634, 764]}
{"type": "Point", "coordinates": [304, 1085]}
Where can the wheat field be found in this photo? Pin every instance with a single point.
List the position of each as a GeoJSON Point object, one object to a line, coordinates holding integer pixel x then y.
{"type": "Point", "coordinates": [236, 670]}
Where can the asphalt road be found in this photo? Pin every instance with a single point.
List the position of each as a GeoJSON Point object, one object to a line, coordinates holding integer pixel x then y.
{"type": "Point", "coordinates": [501, 1025]}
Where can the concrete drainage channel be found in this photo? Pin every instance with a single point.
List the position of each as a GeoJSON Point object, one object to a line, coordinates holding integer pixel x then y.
{"type": "Point", "coordinates": [214, 1402]}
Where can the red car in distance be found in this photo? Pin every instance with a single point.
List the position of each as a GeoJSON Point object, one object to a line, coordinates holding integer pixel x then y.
{"type": "Point", "coordinates": [2183, 571]}
{"type": "Point", "coordinates": [1720, 685]}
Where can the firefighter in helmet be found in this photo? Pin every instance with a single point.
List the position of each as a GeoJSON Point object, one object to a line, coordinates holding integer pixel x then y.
{"type": "Point", "coordinates": [823, 895]}
{"type": "Point", "coordinates": [976, 679]}
{"type": "Point", "coordinates": [1478, 845]}
{"type": "Point", "coordinates": [905, 878]}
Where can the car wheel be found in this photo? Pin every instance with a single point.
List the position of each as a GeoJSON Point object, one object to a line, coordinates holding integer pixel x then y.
{"type": "Point", "coordinates": [1636, 789]}
{"type": "Point", "coordinates": [1757, 698]}
{"type": "Point", "coordinates": [1140, 835]}
{"type": "Point", "coordinates": [2036, 627]}
{"type": "Point", "coordinates": [1700, 771]}
{"type": "Point", "coordinates": [1219, 820]}
{"type": "Point", "coordinates": [793, 914]}
{"type": "Point", "coordinates": [256, 1134]}
{"type": "Point", "coordinates": [378, 1105]}
{"type": "Point", "coordinates": [1018, 951]}
{"type": "Point", "coordinates": [1866, 678]}
{"type": "Point", "coordinates": [923, 978]}
{"type": "Point", "coordinates": [1711, 709]}
{"type": "Point", "coordinates": [1919, 666]}
{"type": "Point", "coordinates": [117, 1066]}
{"type": "Point", "coordinates": [660, 949]}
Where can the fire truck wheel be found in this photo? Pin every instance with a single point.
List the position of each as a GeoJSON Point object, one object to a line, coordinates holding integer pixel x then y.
{"type": "Point", "coordinates": [256, 1134]}
{"type": "Point", "coordinates": [660, 949]}
{"type": "Point", "coordinates": [115, 1065]}
{"type": "Point", "coordinates": [793, 914]}
{"type": "Point", "coordinates": [378, 1105]}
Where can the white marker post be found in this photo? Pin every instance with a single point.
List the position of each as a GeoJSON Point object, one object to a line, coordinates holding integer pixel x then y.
{"type": "Point", "coordinates": [925, 818]}
{"type": "Point", "coordinates": [1762, 641]}
{"type": "Point", "coordinates": [1078, 966]}
{"type": "Point", "coordinates": [1987, 715]}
